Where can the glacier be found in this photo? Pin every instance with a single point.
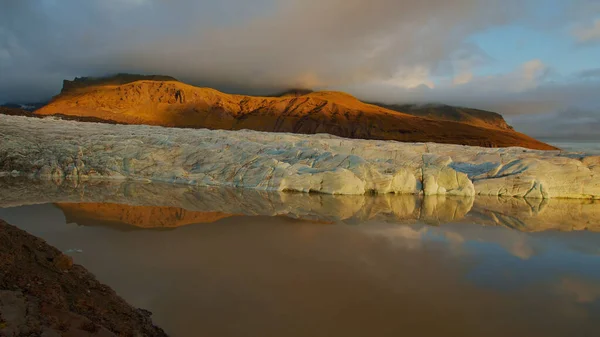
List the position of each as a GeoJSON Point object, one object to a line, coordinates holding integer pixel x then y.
{"type": "Point", "coordinates": [57, 150]}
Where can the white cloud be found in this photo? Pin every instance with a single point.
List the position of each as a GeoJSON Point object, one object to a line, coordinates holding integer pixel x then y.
{"type": "Point", "coordinates": [588, 33]}
{"type": "Point", "coordinates": [463, 78]}
{"type": "Point", "coordinates": [412, 78]}
{"type": "Point", "coordinates": [531, 97]}
{"type": "Point", "coordinates": [533, 70]}
{"type": "Point", "coordinates": [464, 89]}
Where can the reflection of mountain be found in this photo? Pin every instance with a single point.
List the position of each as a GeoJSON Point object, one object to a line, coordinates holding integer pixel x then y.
{"type": "Point", "coordinates": [164, 205]}
{"type": "Point", "coordinates": [139, 216]}
{"type": "Point", "coordinates": [537, 215]}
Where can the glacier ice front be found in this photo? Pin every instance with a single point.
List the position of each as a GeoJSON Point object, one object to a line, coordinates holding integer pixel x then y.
{"type": "Point", "coordinates": [64, 150]}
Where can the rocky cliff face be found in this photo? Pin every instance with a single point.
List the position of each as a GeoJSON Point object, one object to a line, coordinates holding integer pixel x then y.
{"type": "Point", "coordinates": [171, 103]}
{"type": "Point", "coordinates": [74, 151]}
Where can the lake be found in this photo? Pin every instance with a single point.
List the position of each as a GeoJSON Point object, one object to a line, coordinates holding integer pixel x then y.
{"type": "Point", "coordinates": [591, 146]}
{"type": "Point", "coordinates": [226, 262]}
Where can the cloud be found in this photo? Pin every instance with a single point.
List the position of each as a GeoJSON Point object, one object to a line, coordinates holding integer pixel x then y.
{"type": "Point", "coordinates": [589, 74]}
{"type": "Point", "coordinates": [532, 97]}
{"type": "Point", "coordinates": [394, 51]}
{"type": "Point", "coordinates": [588, 33]}
{"type": "Point", "coordinates": [569, 124]}
{"type": "Point", "coordinates": [332, 42]}
{"type": "Point", "coordinates": [519, 88]}
{"type": "Point", "coordinates": [412, 78]}
{"type": "Point", "coordinates": [262, 44]}
{"type": "Point", "coordinates": [463, 78]}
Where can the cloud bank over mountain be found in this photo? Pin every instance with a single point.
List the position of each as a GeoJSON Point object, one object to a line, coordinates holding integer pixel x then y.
{"type": "Point", "coordinates": [389, 50]}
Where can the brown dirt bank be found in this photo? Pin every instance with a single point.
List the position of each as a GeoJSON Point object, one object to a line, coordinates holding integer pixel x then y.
{"type": "Point", "coordinates": [175, 104]}
{"type": "Point", "coordinates": [16, 112]}
{"type": "Point", "coordinates": [42, 293]}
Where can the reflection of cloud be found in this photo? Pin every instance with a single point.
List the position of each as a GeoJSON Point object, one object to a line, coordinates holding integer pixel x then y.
{"type": "Point", "coordinates": [409, 237]}
{"type": "Point", "coordinates": [454, 238]}
{"type": "Point", "coordinates": [455, 241]}
{"type": "Point", "coordinates": [582, 290]}
{"type": "Point", "coordinates": [521, 248]}
{"type": "Point", "coordinates": [412, 238]}
{"type": "Point", "coordinates": [406, 237]}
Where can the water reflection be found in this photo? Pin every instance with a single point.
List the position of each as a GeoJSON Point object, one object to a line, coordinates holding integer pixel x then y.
{"type": "Point", "coordinates": [272, 264]}
{"type": "Point", "coordinates": [278, 276]}
{"type": "Point", "coordinates": [90, 214]}
{"type": "Point", "coordinates": [163, 205]}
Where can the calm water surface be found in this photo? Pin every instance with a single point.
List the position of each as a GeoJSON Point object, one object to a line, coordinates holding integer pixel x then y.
{"type": "Point", "coordinates": [585, 146]}
{"type": "Point", "coordinates": [241, 263]}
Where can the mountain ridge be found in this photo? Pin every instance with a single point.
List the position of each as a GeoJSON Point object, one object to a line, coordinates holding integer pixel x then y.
{"type": "Point", "coordinates": [447, 112]}
{"type": "Point", "coordinates": [161, 100]}
{"type": "Point", "coordinates": [117, 79]}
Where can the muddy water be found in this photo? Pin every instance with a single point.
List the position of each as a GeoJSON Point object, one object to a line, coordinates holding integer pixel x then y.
{"type": "Point", "coordinates": [318, 266]}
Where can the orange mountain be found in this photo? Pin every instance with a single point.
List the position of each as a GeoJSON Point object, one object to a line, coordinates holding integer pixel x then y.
{"type": "Point", "coordinates": [167, 102]}
{"type": "Point", "coordinates": [476, 117]}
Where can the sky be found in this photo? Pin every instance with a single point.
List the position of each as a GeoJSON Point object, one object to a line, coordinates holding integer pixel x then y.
{"type": "Point", "coordinates": [537, 62]}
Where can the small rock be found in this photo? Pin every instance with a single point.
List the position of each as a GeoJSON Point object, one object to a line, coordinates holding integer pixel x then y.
{"type": "Point", "coordinates": [50, 333]}
{"type": "Point", "coordinates": [63, 262]}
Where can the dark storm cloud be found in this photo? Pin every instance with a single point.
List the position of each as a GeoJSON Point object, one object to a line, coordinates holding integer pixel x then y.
{"type": "Point", "coordinates": [234, 43]}
{"type": "Point", "coordinates": [568, 124]}
{"type": "Point", "coordinates": [589, 74]}
{"type": "Point", "coordinates": [568, 111]}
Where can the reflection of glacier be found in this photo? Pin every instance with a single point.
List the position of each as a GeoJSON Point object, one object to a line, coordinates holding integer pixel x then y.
{"type": "Point", "coordinates": [167, 205]}
{"type": "Point", "coordinates": [61, 150]}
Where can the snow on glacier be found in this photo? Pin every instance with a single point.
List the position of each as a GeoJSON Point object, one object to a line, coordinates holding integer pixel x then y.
{"type": "Point", "coordinates": [59, 150]}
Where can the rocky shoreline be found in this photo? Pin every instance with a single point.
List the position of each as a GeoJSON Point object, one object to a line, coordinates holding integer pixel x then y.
{"type": "Point", "coordinates": [42, 293]}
